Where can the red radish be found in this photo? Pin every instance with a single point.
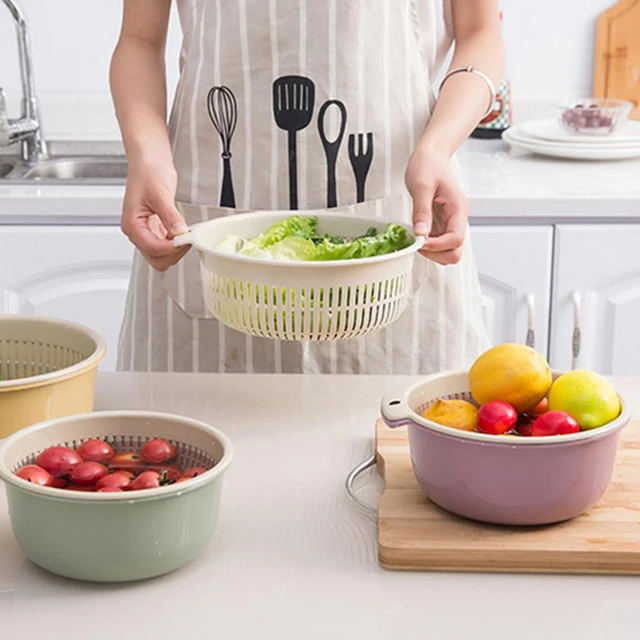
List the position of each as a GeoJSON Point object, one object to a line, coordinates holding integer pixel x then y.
{"type": "Point", "coordinates": [554, 423]}
{"type": "Point", "coordinates": [117, 479]}
{"type": "Point", "coordinates": [109, 490]}
{"type": "Point", "coordinates": [78, 487]}
{"type": "Point", "coordinates": [497, 417]}
{"type": "Point", "coordinates": [157, 451]}
{"type": "Point", "coordinates": [146, 480]}
{"type": "Point", "coordinates": [34, 474]}
{"type": "Point", "coordinates": [88, 473]}
{"type": "Point", "coordinates": [58, 461]}
{"type": "Point", "coordinates": [95, 450]}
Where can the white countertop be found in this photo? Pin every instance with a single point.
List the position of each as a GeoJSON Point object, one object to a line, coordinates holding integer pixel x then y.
{"type": "Point", "coordinates": [502, 185]}
{"type": "Point", "coordinates": [292, 558]}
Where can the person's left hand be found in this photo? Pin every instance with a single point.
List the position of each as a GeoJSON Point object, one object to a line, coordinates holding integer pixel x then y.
{"type": "Point", "coordinates": [440, 208]}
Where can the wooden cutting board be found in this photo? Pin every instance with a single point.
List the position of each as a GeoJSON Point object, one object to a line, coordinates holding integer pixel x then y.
{"type": "Point", "coordinates": [617, 54]}
{"type": "Point", "coordinates": [413, 533]}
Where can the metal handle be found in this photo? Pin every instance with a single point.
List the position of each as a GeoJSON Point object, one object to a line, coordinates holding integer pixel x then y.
{"type": "Point", "coordinates": [576, 338]}
{"type": "Point", "coordinates": [531, 320]}
{"type": "Point", "coordinates": [370, 511]}
{"type": "Point", "coordinates": [4, 120]}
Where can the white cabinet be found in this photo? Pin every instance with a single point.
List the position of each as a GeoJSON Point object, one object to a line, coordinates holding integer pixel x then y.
{"type": "Point", "coordinates": [596, 298]}
{"type": "Point", "coordinates": [75, 273]}
{"type": "Point", "coordinates": [514, 265]}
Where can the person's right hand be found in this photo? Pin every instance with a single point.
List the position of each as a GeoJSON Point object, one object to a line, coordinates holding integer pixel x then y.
{"type": "Point", "coordinates": [149, 216]}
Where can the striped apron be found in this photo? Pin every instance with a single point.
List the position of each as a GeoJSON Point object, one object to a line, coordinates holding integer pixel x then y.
{"type": "Point", "coordinates": [295, 104]}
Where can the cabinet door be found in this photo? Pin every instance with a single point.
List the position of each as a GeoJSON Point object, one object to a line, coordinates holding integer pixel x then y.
{"type": "Point", "coordinates": [75, 273]}
{"type": "Point", "coordinates": [514, 265]}
{"type": "Point", "coordinates": [596, 299]}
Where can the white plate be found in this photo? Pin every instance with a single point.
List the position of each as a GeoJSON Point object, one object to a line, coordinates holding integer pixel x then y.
{"type": "Point", "coordinates": [550, 130]}
{"type": "Point", "coordinates": [571, 152]}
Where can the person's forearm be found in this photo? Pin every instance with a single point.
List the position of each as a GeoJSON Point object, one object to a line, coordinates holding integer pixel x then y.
{"type": "Point", "coordinates": [464, 98]}
{"type": "Point", "coordinates": [138, 87]}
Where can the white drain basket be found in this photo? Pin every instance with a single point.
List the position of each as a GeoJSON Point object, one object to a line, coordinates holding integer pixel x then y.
{"type": "Point", "coordinates": [310, 301]}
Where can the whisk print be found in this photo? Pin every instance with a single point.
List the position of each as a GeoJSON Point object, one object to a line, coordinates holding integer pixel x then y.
{"type": "Point", "coordinates": [223, 111]}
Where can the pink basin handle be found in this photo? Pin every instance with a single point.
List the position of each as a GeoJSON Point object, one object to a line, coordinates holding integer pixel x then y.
{"type": "Point", "coordinates": [395, 412]}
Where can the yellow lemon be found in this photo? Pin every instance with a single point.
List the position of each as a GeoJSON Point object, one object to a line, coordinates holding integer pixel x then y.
{"type": "Point", "coordinates": [586, 396]}
{"type": "Point", "coordinates": [513, 373]}
{"type": "Point", "coordinates": [458, 414]}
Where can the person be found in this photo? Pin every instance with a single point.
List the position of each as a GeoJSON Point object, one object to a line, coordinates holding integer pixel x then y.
{"type": "Point", "coordinates": [350, 82]}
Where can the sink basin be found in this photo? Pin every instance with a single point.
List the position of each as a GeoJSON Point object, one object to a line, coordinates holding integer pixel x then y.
{"type": "Point", "coordinates": [94, 170]}
{"type": "Point", "coordinates": [5, 169]}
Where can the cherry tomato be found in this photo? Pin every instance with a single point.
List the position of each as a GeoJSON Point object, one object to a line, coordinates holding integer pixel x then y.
{"type": "Point", "coordinates": [554, 423]}
{"type": "Point", "coordinates": [127, 461]}
{"type": "Point", "coordinates": [57, 482]}
{"type": "Point", "coordinates": [109, 490]}
{"type": "Point", "coordinates": [34, 474]}
{"type": "Point", "coordinates": [78, 487]}
{"type": "Point", "coordinates": [171, 470]}
{"type": "Point", "coordinates": [157, 451]}
{"type": "Point", "coordinates": [58, 461]}
{"type": "Point", "coordinates": [524, 425]}
{"type": "Point", "coordinates": [117, 479]}
{"type": "Point", "coordinates": [88, 473]}
{"type": "Point", "coordinates": [497, 417]}
{"type": "Point", "coordinates": [194, 472]}
{"type": "Point", "coordinates": [540, 408]}
{"type": "Point", "coordinates": [95, 450]}
{"type": "Point", "coordinates": [146, 480]}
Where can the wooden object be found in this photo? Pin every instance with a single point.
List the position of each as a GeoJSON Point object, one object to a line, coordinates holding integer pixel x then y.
{"type": "Point", "coordinates": [413, 533]}
{"type": "Point", "coordinates": [617, 54]}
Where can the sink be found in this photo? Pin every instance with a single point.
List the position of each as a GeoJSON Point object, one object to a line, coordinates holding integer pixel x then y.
{"type": "Point", "coordinates": [82, 170]}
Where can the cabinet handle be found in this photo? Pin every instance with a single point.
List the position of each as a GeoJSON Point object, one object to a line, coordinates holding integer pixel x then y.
{"type": "Point", "coordinates": [576, 338]}
{"type": "Point", "coordinates": [531, 315]}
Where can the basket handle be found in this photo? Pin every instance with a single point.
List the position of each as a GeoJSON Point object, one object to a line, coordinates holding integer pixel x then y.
{"type": "Point", "coordinates": [183, 239]}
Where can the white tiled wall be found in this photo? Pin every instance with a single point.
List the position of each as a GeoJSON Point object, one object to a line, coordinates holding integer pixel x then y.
{"type": "Point", "coordinates": [550, 48]}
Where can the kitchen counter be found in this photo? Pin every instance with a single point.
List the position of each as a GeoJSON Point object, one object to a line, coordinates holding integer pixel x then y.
{"type": "Point", "coordinates": [292, 558]}
{"type": "Point", "coordinates": [502, 185]}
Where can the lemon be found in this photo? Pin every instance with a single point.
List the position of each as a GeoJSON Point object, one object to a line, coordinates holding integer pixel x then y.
{"type": "Point", "coordinates": [586, 396]}
{"type": "Point", "coordinates": [513, 373]}
{"type": "Point", "coordinates": [458, 414]}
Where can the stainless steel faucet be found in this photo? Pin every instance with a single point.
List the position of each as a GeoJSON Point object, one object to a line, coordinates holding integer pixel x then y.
{"type": "Point", "coordinates": [27, 129]}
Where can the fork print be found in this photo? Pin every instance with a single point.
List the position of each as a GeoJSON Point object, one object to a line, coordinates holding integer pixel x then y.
{"type": "Point", "coordinates": [360, 159]}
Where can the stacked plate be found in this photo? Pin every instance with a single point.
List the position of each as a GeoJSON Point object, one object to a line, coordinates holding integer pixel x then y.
{"type": "Point", "coordinates": [547, 138]}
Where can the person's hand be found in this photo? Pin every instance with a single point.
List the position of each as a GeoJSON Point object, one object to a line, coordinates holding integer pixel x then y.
{"type": "Point", "coordinates": [149, 217]}
{"type": "Point", "coordinates": [440, 208]}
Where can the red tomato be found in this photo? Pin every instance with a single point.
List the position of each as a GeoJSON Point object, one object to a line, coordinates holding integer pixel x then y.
{"type": "Point", "coordinates": [554, 423]}
{"type": "Point", "coordinates": [109, 490]}
{"type": "Point", "coordinates": [34, 474]}
{"type": "Point", "coordinates": [117, 479]}
{"type": "Point", "coordinates": [497, 417]}
{"type": "Point", "coordinates": [171, 470]}
{"type": "Point", "coordinates": [58, 483]}
{"type": "Point", "coordinates": [157, 451]}
{"type": "Point", "coordinates": [88, 473]}
{"type": "Point", "coordinates": [78, 487]}
{"type": "Point", "coordinates": [58, 461]}
{"type": "Point", "coordinates": [95, 450]}
{"type": "Point", "coordinates": [127, 461]}
{"type": "Point", "coordinates": [146, 480]}
{"type": "Point", "coordinates": [193, 472]}
{"type": "Point", "coordinates": [540, 408]}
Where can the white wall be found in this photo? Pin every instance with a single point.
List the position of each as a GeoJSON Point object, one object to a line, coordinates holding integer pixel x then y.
{"type": "Point", "coordinates": [550, 50]}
